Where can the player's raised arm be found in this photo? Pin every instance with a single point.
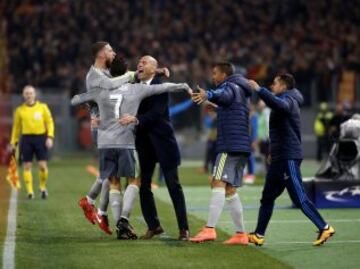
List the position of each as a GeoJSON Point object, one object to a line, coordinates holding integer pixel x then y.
{"type": "Point", "coordinates": [274, 102]}
{"type": "Point", "coordinates": [271, 100]}
{"type": "Point", "coordinates": [113, 83]}
{"type": "Point", "coordinates": [149, 90]}
{"type": "Point", "coordinates": [219, 96]}
{"type": "Point", "coordinates": [228, 86]}
{"type": "Point", "coordinates": [83, 98]}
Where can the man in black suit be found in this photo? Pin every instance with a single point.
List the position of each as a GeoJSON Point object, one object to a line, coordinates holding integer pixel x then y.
{"type": "Point", "coordinates": [155, 142]}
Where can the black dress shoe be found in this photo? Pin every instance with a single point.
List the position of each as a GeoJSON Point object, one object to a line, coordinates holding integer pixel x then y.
{"type": "Point", "coordinates": [184, 235]}
{"type": "Point", "coordinates": [151, 233]}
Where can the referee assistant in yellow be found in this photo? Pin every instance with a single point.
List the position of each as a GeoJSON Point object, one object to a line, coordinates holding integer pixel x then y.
{"type": "Point", "coordinates": [34, 127]}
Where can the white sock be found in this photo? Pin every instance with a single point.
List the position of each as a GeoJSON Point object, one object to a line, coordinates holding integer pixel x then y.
{"type": "Point", "coordinates": [216, 206]}
{"type": "Point", "coordinates": [102, 213]}
{"type": "Point", "coordinates": [115, 202]}
{"type": "Point", "coordinates": [236, 212]}
{"type": "Point", "coordinates": [91, 201]}
{"type": "Point", "coordinates": [130, 195]}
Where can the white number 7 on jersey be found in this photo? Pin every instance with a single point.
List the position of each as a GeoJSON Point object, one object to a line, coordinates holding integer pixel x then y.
{"type": "Point", "coordinates": [118, 98]}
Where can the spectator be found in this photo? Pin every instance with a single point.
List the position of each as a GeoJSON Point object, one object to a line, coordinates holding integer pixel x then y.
{"type": "Point", "coordinates": [334, 124]}
{"type": "Point", "coordinates": [44, 37]}
{"type": "Point", "coordinates": [263, 131]}
{"type": "Point", "coordinates": [321, 130]}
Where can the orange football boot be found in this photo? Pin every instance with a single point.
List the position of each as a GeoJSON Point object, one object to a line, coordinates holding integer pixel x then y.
{"type": "Point", "coordinates": [206, 234]}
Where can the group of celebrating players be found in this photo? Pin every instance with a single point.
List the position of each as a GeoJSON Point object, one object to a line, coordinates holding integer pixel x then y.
{"type": "Point", "coordinates": [114, 95]}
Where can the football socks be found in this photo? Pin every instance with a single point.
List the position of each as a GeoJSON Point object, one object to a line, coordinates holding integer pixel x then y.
{"type": "Point", "coordinates": [236, 212]}
{"type": "Point", "coordinates": [216, 206]}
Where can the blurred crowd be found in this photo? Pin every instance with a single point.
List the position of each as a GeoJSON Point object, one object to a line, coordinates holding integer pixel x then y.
{"type": "Point", "coordinates": [49, 41]}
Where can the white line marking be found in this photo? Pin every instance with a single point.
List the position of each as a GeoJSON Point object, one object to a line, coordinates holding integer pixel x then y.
{"type": "Point", "coordinates": [207, 198]}
{"type": "Point", "coordinates": [191, 163]}
{"type": "Point", "coordinates": [302, 242]}
{"type": "Point", "coordinates": [299, 221]}
{"type": "Point", "coordinates": [9, 244]}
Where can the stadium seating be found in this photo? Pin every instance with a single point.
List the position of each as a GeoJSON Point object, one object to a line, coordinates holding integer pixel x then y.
{"type": "Point", "coordinates": [261, 37]}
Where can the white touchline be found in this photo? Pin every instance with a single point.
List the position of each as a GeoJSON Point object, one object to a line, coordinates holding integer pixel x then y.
{"type": "Point", "coordinates": [303, 242]}
{"type": "Point", "coordinates": [299, 221]}
{"type": "Point", "coordinates": [9, 244]}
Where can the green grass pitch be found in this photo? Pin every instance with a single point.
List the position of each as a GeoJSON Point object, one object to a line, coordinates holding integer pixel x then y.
{"type": "Point", "coordinates": [55, 234]}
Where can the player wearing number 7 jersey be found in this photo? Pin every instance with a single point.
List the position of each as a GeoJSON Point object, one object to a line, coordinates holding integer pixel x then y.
{"type": "Point", "coordinates": [116, 142]}
{"type": "Point", "coordinates": [97, 79]}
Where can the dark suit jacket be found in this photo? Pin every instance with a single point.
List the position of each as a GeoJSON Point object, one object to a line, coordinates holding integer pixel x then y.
{"type": "Point", "coordinates": [155, 139]}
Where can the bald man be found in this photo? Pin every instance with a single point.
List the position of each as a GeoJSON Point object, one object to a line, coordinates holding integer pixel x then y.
{"type": "Point", "coordinates": [34, 127]}
{"type": "Point", "coordinates": [155, 142]}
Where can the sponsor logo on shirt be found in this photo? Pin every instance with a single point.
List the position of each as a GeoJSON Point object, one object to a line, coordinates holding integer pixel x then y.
{"type": "Point", "coordinates": [37, 115]}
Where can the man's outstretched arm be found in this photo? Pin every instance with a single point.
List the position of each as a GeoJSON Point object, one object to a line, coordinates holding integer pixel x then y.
{"type": "Point", "coordinates": [219, 96]}
{"type": "Point", "coordinates": [272, 101]}
{"type": "Point", "coordinates": [149, 90]}
{"type": "Point", "coordinates": [83, 98]}
{"type": "Point", "coordinates": [275, 102]}
{"type": "Point", "coordinates": [116, 82]}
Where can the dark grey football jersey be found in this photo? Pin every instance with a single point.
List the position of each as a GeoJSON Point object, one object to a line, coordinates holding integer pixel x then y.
{"type": "Point", "coordinates": [113, 104]}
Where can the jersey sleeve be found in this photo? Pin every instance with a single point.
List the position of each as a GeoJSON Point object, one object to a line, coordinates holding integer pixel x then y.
{"type": "Point", "coordinates": [84, 98]}
{"type": "Point", "coordinates": [221, 96]}
{"type": "Point", "coordinates": [274, 102]}
{"type": "Point", "coordinates": [149, 90]}
{"type": "Point", "coordinates": [16, 128]}
{"type": "Point", "coordinates": [116, 82]}
{"type": "Point", "coordinates": [49, 122]}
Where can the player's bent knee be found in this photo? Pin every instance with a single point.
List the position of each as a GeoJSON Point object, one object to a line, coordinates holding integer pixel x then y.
{"type": "Point", "coordinates": [230, 191]}
{"type": "Point", "coordinates": [218, 184]}
{"type": "Point", "coordinates": [115, 183]}
{"type": "Point", "coordinates": [115, 187]}
{"type": "Point", "coordinates": [134, 181]}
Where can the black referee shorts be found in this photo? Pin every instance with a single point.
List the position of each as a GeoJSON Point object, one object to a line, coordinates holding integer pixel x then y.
{"type": "Point", "coordinates": [31, 145]}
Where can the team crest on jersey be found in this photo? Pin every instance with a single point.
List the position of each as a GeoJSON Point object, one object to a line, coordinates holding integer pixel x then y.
{"type": "Point", "coordinates": [37, 115]}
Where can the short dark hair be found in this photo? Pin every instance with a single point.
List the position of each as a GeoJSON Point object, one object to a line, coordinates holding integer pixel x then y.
{"type": "Point", "coordinates": [97, 46]}
{"type": "Point", "coordinates": [225, 67]}
{"type": "Point", "coordinates": [287, 79]}
{"type": "Point", "coordinates": [118, 66]}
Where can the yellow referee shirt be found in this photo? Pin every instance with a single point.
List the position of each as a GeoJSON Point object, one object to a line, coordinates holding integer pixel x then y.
{"type": "Point", "coordinates": [32, 120]}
